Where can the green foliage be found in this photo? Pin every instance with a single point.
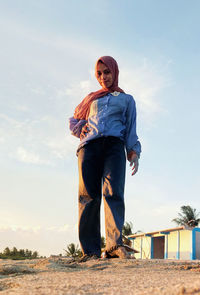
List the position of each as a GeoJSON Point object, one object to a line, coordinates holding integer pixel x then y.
{"type": "Point", "coordinates": [73, 250]}
{"type": "Point", "coordinates": [188, 216]}
{"type": "Point", "coordinates": [18, 254]}
{"type": "Point", "coordinates": [127, 229]}
{"type": "Point", "coordinates": [35, 255]}
{"type": "Point", "coordinates": [6, 251]}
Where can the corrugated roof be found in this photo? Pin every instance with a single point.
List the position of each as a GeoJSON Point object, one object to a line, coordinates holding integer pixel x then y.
{"type": "Point", "coordinates": [160, 231]}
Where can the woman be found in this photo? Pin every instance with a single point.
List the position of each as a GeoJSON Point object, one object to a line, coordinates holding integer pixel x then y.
{"type": "Point", "coordinates": [105, 122]}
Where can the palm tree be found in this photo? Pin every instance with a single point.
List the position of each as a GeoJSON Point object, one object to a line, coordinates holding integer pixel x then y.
{"type": "Point", "coordinates": [73, 250]}
{"type": "Point", "coordinates": [126, 231]}
{"type": "Point", "coordinates": [188, 216]}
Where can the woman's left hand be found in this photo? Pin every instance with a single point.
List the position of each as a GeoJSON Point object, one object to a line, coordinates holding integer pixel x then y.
{"type": "Point", "coordinates": [133, 159]}
{"type": "Point", "coordinates": [84, 131]}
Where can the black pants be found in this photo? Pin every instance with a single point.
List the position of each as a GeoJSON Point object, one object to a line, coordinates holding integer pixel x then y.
{"type": "Point", "coordinates": [102, 163]}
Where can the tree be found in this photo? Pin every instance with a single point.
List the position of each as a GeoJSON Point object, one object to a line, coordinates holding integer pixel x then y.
{"type": "Point", "coordinates": [22, 252]}
{"type": "Point", "coordinates": [188, 216]}
{"type": "Point", "coordinates": [28, 253]}
{"type": "Point", "coordinates": [6, 251]}
{"type": "Point", "coordinates": [127, 229]}
{"type": "Point", "coordinates": [18, 254]}
{"type": "Point", "coordinates": [14, 251]}
{"type": "Point", "coordinates": [35, 255]}
{"type": "Point", "coordinates": [73, 250]}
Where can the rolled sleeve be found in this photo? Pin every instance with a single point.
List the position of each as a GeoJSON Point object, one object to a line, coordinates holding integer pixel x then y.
{"type": "Point", "coordinates": [76, 126]}
{"type": "Point", "coordinates": [131, 139]}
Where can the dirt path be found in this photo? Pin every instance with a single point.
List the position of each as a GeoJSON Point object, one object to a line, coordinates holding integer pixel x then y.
{"type": "Point", "coordinates": [114, 276]}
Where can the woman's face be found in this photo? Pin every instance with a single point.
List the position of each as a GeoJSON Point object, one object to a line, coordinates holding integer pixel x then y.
{"type": "Point", "coordinates": [104, 75]}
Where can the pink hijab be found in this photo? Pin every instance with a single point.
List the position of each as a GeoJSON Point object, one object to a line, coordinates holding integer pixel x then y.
{"type": "Point", "coordinates": [83, 109]}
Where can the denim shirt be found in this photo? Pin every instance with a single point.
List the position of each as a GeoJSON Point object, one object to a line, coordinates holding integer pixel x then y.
{"type": "Point", "coordinates": [111, 115]}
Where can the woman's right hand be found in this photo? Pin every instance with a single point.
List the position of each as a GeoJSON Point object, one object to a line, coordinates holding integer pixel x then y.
{"type": "Point", "coordinates": [133, 159]}
{"type": "Point", "coordinates": [84, 131]}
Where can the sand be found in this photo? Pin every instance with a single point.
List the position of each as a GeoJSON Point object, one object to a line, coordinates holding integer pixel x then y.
{"type": "Point", "coordinates": [56, 276]}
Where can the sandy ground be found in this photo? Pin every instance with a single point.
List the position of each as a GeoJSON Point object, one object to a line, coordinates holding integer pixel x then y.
{"type": "Point", "coordinates": [106, 276]}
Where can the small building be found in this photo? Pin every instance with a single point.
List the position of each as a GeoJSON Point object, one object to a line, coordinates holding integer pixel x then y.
{"type": "Point", "coordinates": [174, 243]}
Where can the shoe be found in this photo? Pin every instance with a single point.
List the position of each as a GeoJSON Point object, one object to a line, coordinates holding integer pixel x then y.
{"type": "Point", "coordinates": [118, 252]}
{"type": "Point", "coordinates": [88, 257]}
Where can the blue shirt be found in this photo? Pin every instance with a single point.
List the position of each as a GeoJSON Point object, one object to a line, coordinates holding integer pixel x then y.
{"type": "Point", "coordinates": [110, 115]}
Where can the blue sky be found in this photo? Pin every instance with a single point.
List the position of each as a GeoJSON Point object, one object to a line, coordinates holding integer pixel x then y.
{"type": "Point", "coordinates": [47, 56]}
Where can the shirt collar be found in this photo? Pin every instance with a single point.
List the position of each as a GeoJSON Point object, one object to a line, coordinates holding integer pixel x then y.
{"type": "Point", "coordinates": [115, 93]}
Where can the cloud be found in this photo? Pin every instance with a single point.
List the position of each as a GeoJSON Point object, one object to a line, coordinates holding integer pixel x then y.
{"type": "Point", "coordinates": [48, 53]}
{"type": "Point", "coordinates": [64, 228]}
{"type": "Point", "coordinates": [61, 149]}
{"type": "Point", "coordinates": [39, 142]}
{"type": "Point", "coordinates": [2, 140]}
{"type": "Point", "coordinates": [29, 157]}
{"type": "Point", "coordinates": [146, 83]}
{"type": "Point", "coordinates": [34, 128]}
{"type": "Point", "coordinates": [22, 108]}
{"type": "Point", "coordinates": [77, 91]}
{"type": "Point", "coordinates": [37, 228]}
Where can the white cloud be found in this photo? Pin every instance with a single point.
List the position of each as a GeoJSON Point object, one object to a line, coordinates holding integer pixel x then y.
{"type": "Point", "coordinates": [2, 139]}
{"type": "Point", "coordinates": [22, 108]}
{"type": "Point", "coordinates": [29, 157]}
{"type": "Point", "coordinates": [62, 148]}
{"type": "Point", "coordinates": [146, 83]}
{"type": "Point", "coordinates": [42, 141]}
{"type": "Point", "coordinates": [38, 91]}
{"type": "Point", "coordinates": [64, 228]}
{"type": "Point", "coordinates": [37, 228]}
{"type": "Point", "coordinates": [7, 120]}
{"type": "Point", "coordinates": [16, 228]}
{"type": "Point", "coordinates": [77, 91]}
{"type": "Point", "coordinates": [52, 55]}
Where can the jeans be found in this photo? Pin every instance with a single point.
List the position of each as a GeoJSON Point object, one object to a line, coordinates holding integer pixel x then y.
{"type": "Point", "coordinates": [102, 164]}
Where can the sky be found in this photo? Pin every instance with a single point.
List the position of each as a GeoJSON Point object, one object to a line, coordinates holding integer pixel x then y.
{"type": "Point", "coordinates": [47, 56]}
